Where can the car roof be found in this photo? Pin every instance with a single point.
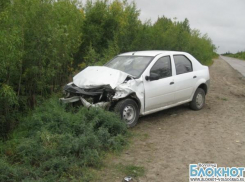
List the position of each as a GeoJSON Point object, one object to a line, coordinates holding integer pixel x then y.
{"type": "Point", "coordinates": [150, 53]}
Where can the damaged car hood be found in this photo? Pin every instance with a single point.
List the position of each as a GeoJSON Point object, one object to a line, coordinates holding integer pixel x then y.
{"type": "Point", "coordinates": [97, 76]}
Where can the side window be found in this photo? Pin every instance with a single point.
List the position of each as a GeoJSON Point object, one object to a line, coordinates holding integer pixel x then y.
{"type": "Point", "coordinates": [162, 67]}
{"type": "Point", "coordinates": [182, 64]}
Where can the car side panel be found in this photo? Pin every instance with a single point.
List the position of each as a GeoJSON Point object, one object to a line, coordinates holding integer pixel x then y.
{"type": "Point", "coordinates": [186, 81]}
{"type": "Point", "coordinates": [184, 85]}
{"type": "Point", "coordinates": [202, 78]}
{"type": "Point", "coordinates": [158, 93]}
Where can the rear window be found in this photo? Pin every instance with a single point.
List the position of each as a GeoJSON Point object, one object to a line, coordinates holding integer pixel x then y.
{"type": "Point", "coordinates": [182, 64]}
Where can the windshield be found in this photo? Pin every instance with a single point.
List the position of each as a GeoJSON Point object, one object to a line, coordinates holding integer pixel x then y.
{"type": "Point", "coordinates": [133, 65]}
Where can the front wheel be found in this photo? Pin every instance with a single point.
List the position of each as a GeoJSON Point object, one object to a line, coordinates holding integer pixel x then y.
{"type": "Point", "coordinates": [128, 110]}
{"type": "Point", "coordinates": [198, 100]}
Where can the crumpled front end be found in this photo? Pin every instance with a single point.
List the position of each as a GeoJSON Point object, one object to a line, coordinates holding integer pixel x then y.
{"type": "Point", "coordinates": [105, 91]}
{"type": "Point", "coordinates": [94, 97]}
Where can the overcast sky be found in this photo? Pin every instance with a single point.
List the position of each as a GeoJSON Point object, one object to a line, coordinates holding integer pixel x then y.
{"type": "Point", "coordinates": [222, 20]}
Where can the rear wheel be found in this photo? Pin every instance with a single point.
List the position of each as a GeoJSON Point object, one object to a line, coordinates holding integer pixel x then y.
{"type": "Point", "coordinates": [198, 100]}
{"type": "Point", "coordinates": [128, 110]}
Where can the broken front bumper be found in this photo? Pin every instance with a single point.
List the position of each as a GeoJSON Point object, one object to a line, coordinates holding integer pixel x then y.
{"type": "Point", "coordinates": [103, 105]}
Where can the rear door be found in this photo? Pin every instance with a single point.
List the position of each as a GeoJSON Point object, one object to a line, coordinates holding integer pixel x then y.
{"type": "Point", "coordinates": [184, 79]}
{"type": "Point", "coordinates": [159, 93]}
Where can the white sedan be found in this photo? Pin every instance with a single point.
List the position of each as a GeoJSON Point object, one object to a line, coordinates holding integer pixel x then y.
{"type": "Point", "coordinates": [139, 83]}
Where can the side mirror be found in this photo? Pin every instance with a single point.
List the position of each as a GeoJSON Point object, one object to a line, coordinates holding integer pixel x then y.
{"type": "Point", "coordinates": [153, 76]}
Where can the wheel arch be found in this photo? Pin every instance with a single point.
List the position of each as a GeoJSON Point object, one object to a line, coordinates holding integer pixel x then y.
{"type": "Point", "coordinates": [136, 99]}
{"type": "Point", "coordinates": [204, 87]}
{"type": "Point", "coordinates": [132, 96]}
{"type": "Point", "coordinates": [203, 84]}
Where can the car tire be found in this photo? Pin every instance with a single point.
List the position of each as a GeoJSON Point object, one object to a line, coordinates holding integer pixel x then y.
{"type": "Point", "coordinates": [128, 110]}
{"type": "Point", "coordinates": [198, 100]}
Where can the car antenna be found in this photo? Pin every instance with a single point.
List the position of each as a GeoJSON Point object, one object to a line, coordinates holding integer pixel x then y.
{"type": "Point", "coordinates": [133, 53]}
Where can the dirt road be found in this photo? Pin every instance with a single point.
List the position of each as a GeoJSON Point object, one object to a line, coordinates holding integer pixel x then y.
{"type": "Point", "coordinates": [166, 142]}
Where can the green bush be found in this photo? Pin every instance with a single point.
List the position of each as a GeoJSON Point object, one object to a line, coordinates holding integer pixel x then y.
{"type": "Point", "coordinates": [38, 40]}
{"type": "Point", "coordinates": [55, 140]}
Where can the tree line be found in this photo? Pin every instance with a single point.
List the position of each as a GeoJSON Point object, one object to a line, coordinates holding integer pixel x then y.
{"type": "Point", "coordinates": [238, 55]}
{"type": "Point", "coordinates": [44, 42]}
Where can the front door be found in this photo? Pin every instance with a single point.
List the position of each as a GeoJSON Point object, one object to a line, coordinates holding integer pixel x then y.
{"type": "Point", "coordinates": [160, 92]}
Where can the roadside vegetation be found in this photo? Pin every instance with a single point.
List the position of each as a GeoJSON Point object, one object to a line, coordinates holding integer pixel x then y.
{"type": "Point", "coordinates": [238, 55]}
{"type": "Point", "coordinates": [43, 43]}
{"type": "Point", "coordinates": [59, 143]}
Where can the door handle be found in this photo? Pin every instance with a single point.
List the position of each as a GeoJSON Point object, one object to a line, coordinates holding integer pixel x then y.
{"type": "Point", "coordinates": [194, 76]}
{"type": "Point", "coordinates": [171, 83]}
